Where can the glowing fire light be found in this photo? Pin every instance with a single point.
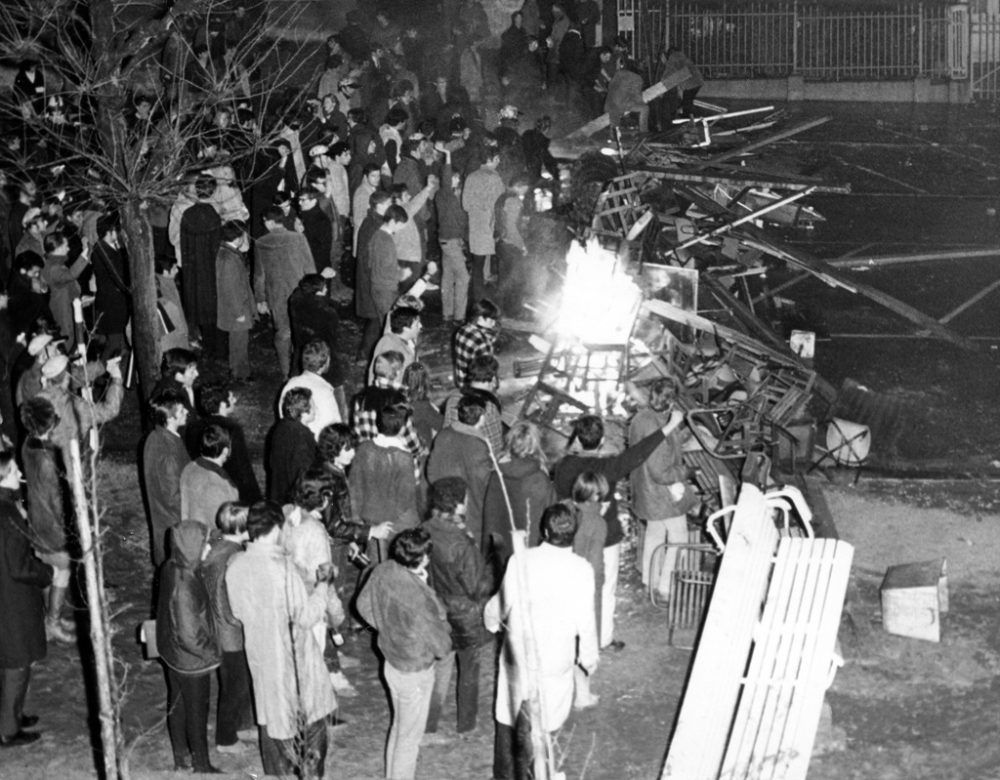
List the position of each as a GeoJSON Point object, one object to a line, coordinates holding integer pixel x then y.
{"type": "Point", "coordinates": [599, 299]}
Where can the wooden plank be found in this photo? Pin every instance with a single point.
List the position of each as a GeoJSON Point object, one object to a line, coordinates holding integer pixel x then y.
{"type": "Point", "coordinates": [742, 313]}
{"type": "Point", "coordinates": [744, 178]}
{"type": "Point", "coordinates": [702, 727]}
{"type": "Point", "coordinates": [832, 275]}
{"type": "Point", "coordinates": [775, 725]}
{"type": "Point", "coordinates": [656, 90]}
{"type": "Point", "coordinates": [972, 301]}
{"type": "Point", "coordinates": [773, 138]}
{"type": "Point", "coordinates": [877, 261]}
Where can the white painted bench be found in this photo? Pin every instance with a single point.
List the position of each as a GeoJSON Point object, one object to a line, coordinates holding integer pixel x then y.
{"type": "Point", "coordinates": [765, 656]}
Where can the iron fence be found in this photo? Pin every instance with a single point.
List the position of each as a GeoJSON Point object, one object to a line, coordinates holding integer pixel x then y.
{"type": "Point", "coordinates": [735, 39]}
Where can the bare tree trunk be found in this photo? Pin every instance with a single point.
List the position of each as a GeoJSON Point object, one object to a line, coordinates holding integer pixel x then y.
{"type": "Point", "coordinates": [104, 663]}
{"type": "Point", "coordinates": [145, 320]}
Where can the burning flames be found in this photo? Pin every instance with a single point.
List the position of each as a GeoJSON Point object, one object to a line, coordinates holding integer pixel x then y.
{"type": "Point", "coordinates": [599, 299]}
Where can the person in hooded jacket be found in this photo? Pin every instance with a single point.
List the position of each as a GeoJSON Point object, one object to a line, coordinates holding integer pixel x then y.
{"type": "Point", "coordinates": [188, 646]}
{"type": "Point", "coordinates": [524, 472]}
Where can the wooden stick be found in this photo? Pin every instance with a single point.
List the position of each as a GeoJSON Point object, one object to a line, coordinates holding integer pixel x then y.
{"type": "Point", "coordinates": [742, 178]}
{"type": "Point", "coordinates": [974, 299]}
{"type": "Point", "coordinates": [95, 606]}
{"type": "Point", "coordinates": [781, 135]}
{"type": "Point", "coordinates": [653, 92]}
{"type": "Point", "coordinates": [877, 261]}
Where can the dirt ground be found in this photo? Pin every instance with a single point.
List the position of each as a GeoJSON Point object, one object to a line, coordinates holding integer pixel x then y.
{"type": "Point", "coordinates": [901, 708]}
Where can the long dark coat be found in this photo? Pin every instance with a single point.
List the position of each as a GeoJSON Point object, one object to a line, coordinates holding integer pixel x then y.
{"type": "Point", "coordinates": [291, 449]}
{"type": "Point", "coordinates": [364, 304]}
{"type": "Point", "coordinates": [112, 300]}
{"type": "Point", "coordinates": [201, 234]}
{"type": "Point", "coordinates": [315, 317]}
{"type": "Point", "coordinates": [22, 578]}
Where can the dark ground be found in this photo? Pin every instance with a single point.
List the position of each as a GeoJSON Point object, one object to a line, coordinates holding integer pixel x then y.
{"type": "Point", "coordinates": [901, 708]}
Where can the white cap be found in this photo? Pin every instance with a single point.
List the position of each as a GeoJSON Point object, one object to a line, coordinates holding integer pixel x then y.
{"type": "Point", "coordinates": [38, 343]}
{"type": "Point", "coordinates": [54, 366]}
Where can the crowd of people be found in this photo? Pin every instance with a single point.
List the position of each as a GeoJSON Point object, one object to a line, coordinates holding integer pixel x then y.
{"type": "Point", "coordinates": [433, 525]}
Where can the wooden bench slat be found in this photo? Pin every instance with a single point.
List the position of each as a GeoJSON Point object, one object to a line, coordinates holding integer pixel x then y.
{"type": "Point", "coordinates": [700, 733]}
{"type": "Point", "coordinates": [775, 724]}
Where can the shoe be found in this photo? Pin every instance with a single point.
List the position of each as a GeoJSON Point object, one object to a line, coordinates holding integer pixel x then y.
{"type": "Point", "coordinates": [207, 770]}
{"type": "Point", "coordinates": [616, 645]}
{"type": "Point", "coordinates": [248, 735]}
{"type": "Point", "coordinates": [235, 749]}
{"type": "Point", "coordinates": [20, 738]}
{"type": "Point", "coordinates": [182, 764]}
{"type": "Point", "coordinates": [28, 721]}
{"type": "Point", "coordinates": [55, 632]}
{"type": "Point", "coordinates": [342, 686]}
{"type": "Point", "coordinates": [347, 661]}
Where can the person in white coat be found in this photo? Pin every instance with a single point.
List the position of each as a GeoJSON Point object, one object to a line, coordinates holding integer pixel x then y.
{"type": "Point", "coordinates": [546, 604]}
{"type": "Point", "coordinates": [293, 694]}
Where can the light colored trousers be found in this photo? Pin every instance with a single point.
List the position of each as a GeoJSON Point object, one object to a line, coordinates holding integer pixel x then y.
{"type": "Point", "coordinates": [606, 630]}
{"type": "Point", "coordinates": [454, 280]}
{"type": "Point", "coordinates": [670, 529]}
{"type": "Point", "coordinates": [410, 693]}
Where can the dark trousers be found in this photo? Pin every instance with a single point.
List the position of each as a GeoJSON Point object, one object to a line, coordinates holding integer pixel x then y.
{"type": "Point", "coordinates": [234, 712]}
{"type": "Point", "coordinates": [13, 689]}
{"type": "Point", "coordinates": [467, 689]}
{"type": "Point", "coordinates": [369, 337]}
{"type": "Point", "coordinates": [187, 717]}
{"type": "Point", "coordinates": [477, 278]}
{"type": "Point", "coordinates": [512, 753]}
{"type": "Point", "coordinates": [281, 757]}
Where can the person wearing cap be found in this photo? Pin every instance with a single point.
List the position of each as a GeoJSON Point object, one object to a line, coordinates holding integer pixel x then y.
{"type": "Point", "coordinates": [30, 382]}
{"type": "Point", "coordinates": [34, 224]}
{"type": "Point", "coordinates": [77, 416]}
{"type": "Point", "coordinates": [548, 595]}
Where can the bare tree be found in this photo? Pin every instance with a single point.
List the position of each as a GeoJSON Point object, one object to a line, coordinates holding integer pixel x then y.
{"type": "Point", "coordinates": [95, 59]}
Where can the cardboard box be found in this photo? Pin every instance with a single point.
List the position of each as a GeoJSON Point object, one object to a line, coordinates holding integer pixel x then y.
{"type": "Point", "coordinates": [914, 596]}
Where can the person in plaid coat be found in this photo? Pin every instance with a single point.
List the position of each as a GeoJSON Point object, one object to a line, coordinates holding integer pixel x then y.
{"type": "Point", "coordinates": [476, 337]}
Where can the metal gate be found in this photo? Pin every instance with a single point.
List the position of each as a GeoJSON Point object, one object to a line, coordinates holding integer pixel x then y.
{"type": "Point", "coordinates": [777, 38]}
{"type": "Point", "coordinates": [983, 55]}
